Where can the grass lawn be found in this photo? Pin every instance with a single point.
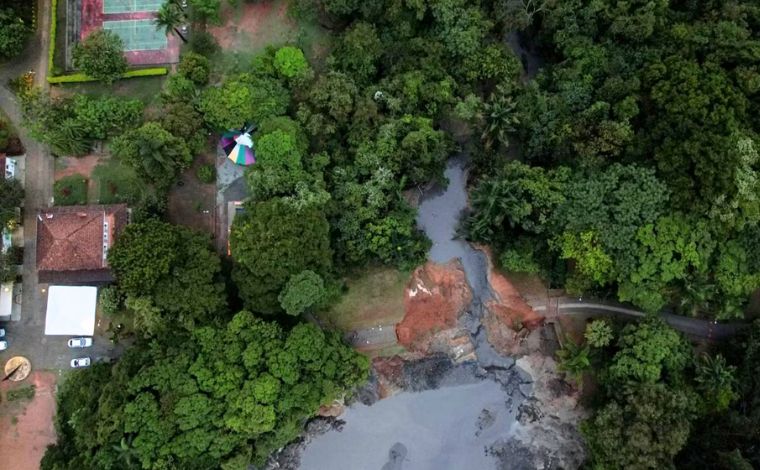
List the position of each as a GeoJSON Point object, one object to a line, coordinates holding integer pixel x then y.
{"type": "Point", "coordinates": [70, 191]}
{"type": "Point", "coordinates": [374, 297]}
{"type": "Point", "coordinates": [116, 183]}
{"type": "Point", "coordinates": [146, 89]}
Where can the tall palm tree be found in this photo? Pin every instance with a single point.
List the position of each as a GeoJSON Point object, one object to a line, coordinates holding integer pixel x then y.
{"type": "Point", "coordinates": [716, 379]}
{"type": "Point", "coordinates": [170, 17]}
{"type": "Point", "coordinates": [574, 359]}
{"type": "Point", "coordinates": [501, 120]}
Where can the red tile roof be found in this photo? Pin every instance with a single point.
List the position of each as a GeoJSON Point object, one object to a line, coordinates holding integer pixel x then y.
{"type": "Point", "coordinates": [71, 239]}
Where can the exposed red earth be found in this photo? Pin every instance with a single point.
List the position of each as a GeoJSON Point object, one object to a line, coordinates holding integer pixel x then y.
{"type": "Point", "coordinates": [435, 297]}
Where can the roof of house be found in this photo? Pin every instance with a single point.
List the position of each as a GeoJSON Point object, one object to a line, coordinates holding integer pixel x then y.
{"type": "Point", "coordinates": [76, 239]}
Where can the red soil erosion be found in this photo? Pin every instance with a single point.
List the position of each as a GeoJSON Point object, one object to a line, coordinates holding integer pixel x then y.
{"type": "Point", "coordinates": [435, 297]}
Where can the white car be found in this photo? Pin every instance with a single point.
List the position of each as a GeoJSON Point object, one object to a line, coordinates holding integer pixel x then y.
{"type": "Point", "coordinates": [80, 342]}
{"type": "Point", "coordinates": [3, 345]}
{"type": "Point", "coordinates": [2, 332]}
{"type": "Point", "coordinates": [80, 362]}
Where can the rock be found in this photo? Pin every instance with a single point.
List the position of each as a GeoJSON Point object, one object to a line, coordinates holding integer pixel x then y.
{"type": "Point", "coordinates": [508, 319]}
{"type": "Point", "coordinates": [434, 299]}
{"type": "Point", "coordinates": [333, 410]}
{"type": "Point", "coordinates": [390, 375]}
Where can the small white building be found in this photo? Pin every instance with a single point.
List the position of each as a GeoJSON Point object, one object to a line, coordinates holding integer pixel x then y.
{"type": "Point", "coordinates": [6, 300]}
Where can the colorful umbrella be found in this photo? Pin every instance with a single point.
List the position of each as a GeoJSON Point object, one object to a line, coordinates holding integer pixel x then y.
{"type": "Point", "coordinates": [238, 146]}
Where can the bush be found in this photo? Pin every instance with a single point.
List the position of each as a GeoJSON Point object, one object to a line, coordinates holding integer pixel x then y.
{"type": "Point", "coordinates": [302, 292]}
{"type": "Point", "coordinates": [195, 67]}
{"type": "Point", "coordinates": [110, 300]}
{"type": "Point", "coordinates": [81, 77]}
{"type": "Point", "coordinates": [290, 62]}
{"type": "Point", "coordinates": [70, 191]}
{"type": "Point", "coordinates": [203, 43]}
{"type": "Point", "coordinates": [15, 255]}
{"type": "Point", "coordinates": [23, 393]}
{"type": "Point", "coordinates": [53, 21]}
{"type": "Point", "coordinates": [206, 174]}
{"type": "Point", "coordinates": [101, 56]}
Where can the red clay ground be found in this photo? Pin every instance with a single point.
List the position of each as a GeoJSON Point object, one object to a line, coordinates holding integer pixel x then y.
{"type": "Point", "coordinates": [24, 442]}
{"type": "Point", "coordinates": [68, 166]}
{"type": "Point", "coordinates": [250, 25]}
{"type": "Point", "coordinates": [434, 298]}
{"type": "Point", "coordinates": [193, 204]}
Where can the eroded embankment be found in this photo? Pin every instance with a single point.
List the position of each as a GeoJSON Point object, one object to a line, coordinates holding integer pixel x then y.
{"type": "Point", "coordinates": [476, 389]}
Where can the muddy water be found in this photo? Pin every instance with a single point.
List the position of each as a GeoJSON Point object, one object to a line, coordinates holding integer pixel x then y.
{"type": "Point", "coordinates": [447, 428]}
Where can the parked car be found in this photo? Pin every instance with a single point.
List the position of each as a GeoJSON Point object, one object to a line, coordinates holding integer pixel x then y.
{"type": "Point", "coordinates": [80, 362]}
{"type": "Point", "coordinates": [3, 345]}
{"type": "Point", "coordinates": [2, 332]}
{"type": "Point", "coordinates": [80, 342]}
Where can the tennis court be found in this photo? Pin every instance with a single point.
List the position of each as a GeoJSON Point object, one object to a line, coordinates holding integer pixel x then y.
{"type": "Point", "coordinates": [129, 6]}
{"type": "Point", "coordinates": [138, 35]}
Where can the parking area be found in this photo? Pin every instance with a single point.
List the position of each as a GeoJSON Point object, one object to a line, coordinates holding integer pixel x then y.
{"type": "Point", "coordinates": [27, 338]}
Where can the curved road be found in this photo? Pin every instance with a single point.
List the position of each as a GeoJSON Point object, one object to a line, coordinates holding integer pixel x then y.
{"type": "Point", "coordinates": [694, 327]}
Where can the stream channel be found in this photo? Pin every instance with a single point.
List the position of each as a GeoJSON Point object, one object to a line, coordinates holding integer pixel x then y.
{"type": "Point", "coordinates": [449, 416]}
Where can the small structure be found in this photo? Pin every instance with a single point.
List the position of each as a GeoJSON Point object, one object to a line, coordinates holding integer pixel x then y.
{"type": "Point", "coordinates": [238, 146]}
{"type": "Point", "coordinates": [71, 310]}
{"type": "Point", "coordinates": [17, 369]}
{"type": "Point", "coordinates": [6, 300]}
{"type": "Point", "coordinates": [73, 243]}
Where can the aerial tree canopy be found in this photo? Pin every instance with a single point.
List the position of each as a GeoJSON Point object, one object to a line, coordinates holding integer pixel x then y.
{"type": "Point", "coordinates": [101, 56]}
{"type": "Point", "coordinates": [220, 397]}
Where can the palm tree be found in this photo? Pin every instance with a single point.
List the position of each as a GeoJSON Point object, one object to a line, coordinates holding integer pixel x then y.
{"type": "Point", "coordinates": [574, 359]}
{"type": "Point", "coordinates": [501, 119]}
{"type": "Point", "coordinates": [169, 17]}
{"type": "Point", "coordinates": [716, 380]}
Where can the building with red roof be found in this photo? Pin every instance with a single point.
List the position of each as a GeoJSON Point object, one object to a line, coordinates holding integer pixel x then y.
{"type": "Point", "coordinates": [73, 243]}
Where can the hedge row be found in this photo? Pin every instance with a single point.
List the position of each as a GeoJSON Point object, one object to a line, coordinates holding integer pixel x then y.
{"type": "Point", "coordinates": [80, 77]}
{"type": "Point", "coordinates": [53, 22]}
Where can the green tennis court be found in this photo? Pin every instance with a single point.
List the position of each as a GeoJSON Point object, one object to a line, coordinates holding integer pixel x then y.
{"type": "Point", "coordinates": [128, 6]}
{"type": "Point", "coordinates": [138, 35]}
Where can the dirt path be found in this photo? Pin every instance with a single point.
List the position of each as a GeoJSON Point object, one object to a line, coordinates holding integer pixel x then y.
{"type": "Point", "coordinates": [27, 428]}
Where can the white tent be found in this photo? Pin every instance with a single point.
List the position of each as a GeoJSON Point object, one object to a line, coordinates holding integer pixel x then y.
{"type": "Point", "coordinates": [71, 310]}
{"type": "Point", "coordinates": [6, 300]}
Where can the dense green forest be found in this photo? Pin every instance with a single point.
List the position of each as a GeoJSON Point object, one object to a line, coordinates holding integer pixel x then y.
{"type": "Point", "coordinates": [627, 166]}
{"type": "Point", "coordinates": [639, 156]}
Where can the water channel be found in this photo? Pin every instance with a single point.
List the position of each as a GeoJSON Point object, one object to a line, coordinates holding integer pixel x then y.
{"type": "Point", "coordinates": [453, 425]}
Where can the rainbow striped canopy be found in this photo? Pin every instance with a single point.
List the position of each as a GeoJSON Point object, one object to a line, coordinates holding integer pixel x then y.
{"type": "Point", "coordinates": [238, 146]}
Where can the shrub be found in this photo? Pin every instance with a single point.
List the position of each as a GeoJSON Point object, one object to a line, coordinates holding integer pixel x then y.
{"type": "Point", "coordinates": [70, 191]}
{"type": "Point", "coordinates": [302, 292]}
{"type": "Point", "coordinates": [195, 67]}
{"type": "Point", "coordinates": [23, 393]}
{"type": "Point", "coordinates": [101, 56]}
{"type": "Point", "coordinates": [110, 300]}
{"type": "Point", "coordinates": [203, 43]}
{"type": "Point", "coordinates": [81, 77]}
{"type": "Point", "coordinates": [206, 174]}
{"type": "Point", "coordinates": [53, 21]}
{"type": "Point", "coordinates": [290, 62]}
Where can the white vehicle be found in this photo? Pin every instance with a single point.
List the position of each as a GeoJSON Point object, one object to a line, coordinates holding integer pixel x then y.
{"type": "Point", "coordinates": [3, 345]}
{"type": "Point", "coordinates": [80, 362]}
{"type": "Point", "coordinates": [2, 332]}
{"type": "Point", "coordinates": [80, 342]}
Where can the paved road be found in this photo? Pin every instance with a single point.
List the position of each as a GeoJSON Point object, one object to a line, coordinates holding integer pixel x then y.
{"type": "Point", "coordinates": [693, 327]}
{"type": "Point", "coordinates": [26, 335]}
